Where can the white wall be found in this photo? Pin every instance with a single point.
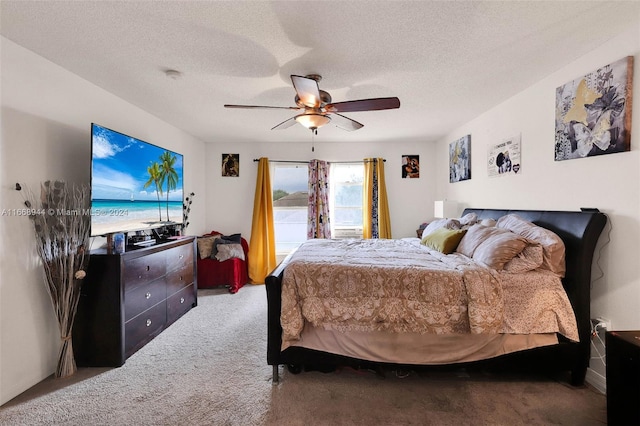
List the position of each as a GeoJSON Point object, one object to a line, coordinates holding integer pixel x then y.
{"type": "Point", "coordinates": [230, 199]}
{"type": "Point", "coordinates": [610, 183]}
{"type": "Point", "coordinates": [45, 134]}
{"type": "Point", "coordinates": [44, 122]}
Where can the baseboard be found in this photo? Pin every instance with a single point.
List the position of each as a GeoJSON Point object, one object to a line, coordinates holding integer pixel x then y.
{"type": "Point", "coordinates": [596, 380]}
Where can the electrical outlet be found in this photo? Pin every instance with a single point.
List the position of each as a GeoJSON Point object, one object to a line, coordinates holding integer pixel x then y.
{"type": "Point", "coordinates": [599, 320]}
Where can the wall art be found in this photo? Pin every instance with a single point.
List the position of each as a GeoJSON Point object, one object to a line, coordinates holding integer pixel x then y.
{"type": "Point", "coordinates": [231, 165]}
{"type": "Point", "coordinates": [410, 166]}
{"type": "Point", "coordinates": [460, 159]}
{"type": "Point", "coordinates": [504, 158]}
{"type": "Point", "coordinates": [593, 113]}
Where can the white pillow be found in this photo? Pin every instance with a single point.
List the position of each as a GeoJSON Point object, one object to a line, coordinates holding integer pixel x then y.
{"type": "Point", "coordinates": [468, 219]}
{"type": "Point", "coordinates": [229, 251]}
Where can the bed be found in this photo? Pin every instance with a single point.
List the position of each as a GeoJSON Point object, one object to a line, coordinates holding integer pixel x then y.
{"type": "Point", "coordinates": [426, 308]}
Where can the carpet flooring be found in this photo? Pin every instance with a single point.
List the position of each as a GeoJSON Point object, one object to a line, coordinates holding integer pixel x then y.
{"type": "Point", "coordinates": [209, 368]}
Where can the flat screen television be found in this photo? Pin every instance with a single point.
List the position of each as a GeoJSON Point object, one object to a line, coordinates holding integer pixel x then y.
{"type": "Point", "coordinates": [135, 186]}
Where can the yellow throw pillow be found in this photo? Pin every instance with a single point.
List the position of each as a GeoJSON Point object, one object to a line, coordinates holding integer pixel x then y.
{"type": "Point", "coordinates": [444, 240]}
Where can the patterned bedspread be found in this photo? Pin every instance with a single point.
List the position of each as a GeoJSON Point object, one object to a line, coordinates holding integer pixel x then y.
{"type": "Point", "coordinates": [402, 286]}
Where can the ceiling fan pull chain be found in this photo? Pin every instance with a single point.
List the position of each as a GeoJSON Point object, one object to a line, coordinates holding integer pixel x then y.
{"type": "Point", "coordinates": [313, 133]}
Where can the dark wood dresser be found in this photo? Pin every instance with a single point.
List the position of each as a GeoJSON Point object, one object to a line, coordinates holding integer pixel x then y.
{"type": "Point", "coordinates": [127, 299]}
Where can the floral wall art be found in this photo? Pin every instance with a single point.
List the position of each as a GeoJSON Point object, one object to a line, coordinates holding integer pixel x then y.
{"type": "Point", "coordinates": [593, 113]}
{"type": "Point", "coordinates": [460, 159]}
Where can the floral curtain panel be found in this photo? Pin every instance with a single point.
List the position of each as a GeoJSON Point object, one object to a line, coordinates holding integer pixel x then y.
{"type": "Point", "coordinates": [318, 224]}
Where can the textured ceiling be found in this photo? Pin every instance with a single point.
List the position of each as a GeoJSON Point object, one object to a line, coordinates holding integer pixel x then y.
{"type": "Point", "coordinates": [447, 61]}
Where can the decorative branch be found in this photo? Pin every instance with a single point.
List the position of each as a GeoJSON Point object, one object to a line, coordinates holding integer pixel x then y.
{"type": "Point", "coordinates": [186, 209]}
{"type": "Point", "coordinates": [60, 218]}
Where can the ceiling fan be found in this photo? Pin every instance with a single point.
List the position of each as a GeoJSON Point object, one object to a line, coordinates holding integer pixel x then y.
{"type": "Point", "coordinates": [318, 110]}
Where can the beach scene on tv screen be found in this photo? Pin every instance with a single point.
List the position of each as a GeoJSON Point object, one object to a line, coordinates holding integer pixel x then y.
{"type": "Point", "coordinates": [134, 185]}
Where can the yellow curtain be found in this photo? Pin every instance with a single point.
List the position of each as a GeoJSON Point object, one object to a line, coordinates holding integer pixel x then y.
{"type": "Point", "coordinates": [262, 255]}
{"type": "Point", "coordinates": [376, 222]}
{"type": "Point", "coordinates": [384, 220]}
{"type": "Point", "coordinates": [367, 192]}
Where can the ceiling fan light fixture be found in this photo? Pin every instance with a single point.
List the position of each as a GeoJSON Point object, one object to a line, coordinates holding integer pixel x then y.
{"type": "Point", "coordinates": [313, 120]}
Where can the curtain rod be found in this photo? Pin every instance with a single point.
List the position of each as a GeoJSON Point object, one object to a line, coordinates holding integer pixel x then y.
{"type": "Point", "coordinates": [307, 162]}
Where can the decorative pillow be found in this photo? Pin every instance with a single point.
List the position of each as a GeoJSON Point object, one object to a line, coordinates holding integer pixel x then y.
{"type": "Point", "coordinates": [475, 236]}
{"type": "Point", "coordinates": [444, 240]}
{"type": "Point", "coordinates": [440, 223]}
{"type": "Point", "coordinates": [236, 238]}
{"type": "Point", "coordinates": [468, 219]}
{"type": "Point", "coordinates": [499, 248]}
{"type": "Point", "coordinates": [528, 260]}
{"type": "Point", "coordinates": [552, 245]}
{"type": "Point", "coordinates": [228, 251]}
{"type": "Point", "coordinates": [205, 245]}
{"type": "Point", "coordinates": [219, 242]}
{"type": "Point", "coordinates": [487, 222]}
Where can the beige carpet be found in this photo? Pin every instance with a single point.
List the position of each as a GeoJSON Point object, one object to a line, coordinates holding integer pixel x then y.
{"type": "Point", "coordinates": [209, 368]}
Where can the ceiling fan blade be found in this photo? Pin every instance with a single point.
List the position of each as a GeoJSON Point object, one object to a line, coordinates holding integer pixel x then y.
{"type": "Point", "coordinates": [307, 90]}
{"type": "Point", "coordinates": [373, 104]}
{"type": "Point", "coordinates": [259, 107]}
{"type": "Point", "coordinates": [345, 123]}
{"type": "Point", "coordinates": [285, 124]}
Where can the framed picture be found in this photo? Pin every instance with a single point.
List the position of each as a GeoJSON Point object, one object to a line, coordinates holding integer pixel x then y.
{"type": "Point", "coordinates": [593, 113]}
{"type": "Point", "coordinates": [460, 159]}
{"type": "Point", "coordinates": [504, 158]}
{"type": "Point", "coordinates": [231, 165]}
{"type": "Point", "coordinates": [410, 166]}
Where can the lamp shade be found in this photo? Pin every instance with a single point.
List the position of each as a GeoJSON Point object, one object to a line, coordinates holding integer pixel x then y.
{"type": "Point", "coordinates": [445, 208]}
{"type": "Point", "coordinates": [312, 120]}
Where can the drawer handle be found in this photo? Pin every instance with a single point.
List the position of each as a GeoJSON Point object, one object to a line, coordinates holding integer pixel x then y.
{"type": "Point", "coordinates": [181, 279]}
{"type": "Point", "coordinates": [147, 296]}
{"type": "Point", "coordinates": [181, 300]}
{"type": "Point", "coordinates": [148, 323]}
{"type": "Point", "coordinates": [148, 267]}
{"type": "Point", "coordinates": [181, 256]}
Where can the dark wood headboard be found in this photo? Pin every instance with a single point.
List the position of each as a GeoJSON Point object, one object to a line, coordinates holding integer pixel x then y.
{"type": "Point", "coordinates": [580, 232]}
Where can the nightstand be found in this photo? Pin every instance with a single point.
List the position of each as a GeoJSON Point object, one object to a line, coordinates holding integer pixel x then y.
{"type": "Point", "coordinates": [623, 377]}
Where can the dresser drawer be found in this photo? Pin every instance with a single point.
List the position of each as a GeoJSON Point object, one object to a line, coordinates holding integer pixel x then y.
{"type": "Point", "coordinates": [143, 270]}
{"type": "Point", "coordinates": [141, 329]}
{"type": "Point", "coordinates": [179, 278]}
{"type": "Point", "coordinates": [144, 297]}
{"type": "Point", "coordinates": [179, 257]}
{"type": "Point", "coordinates": [180, 303]}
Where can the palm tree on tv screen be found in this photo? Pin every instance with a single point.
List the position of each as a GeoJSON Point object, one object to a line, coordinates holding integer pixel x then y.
{"type": "Point", "coordinates": [156, 178]}
{"type": "Point", "coordinates": [168, 173]}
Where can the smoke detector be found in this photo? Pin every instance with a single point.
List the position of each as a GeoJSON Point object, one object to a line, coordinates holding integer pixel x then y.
{"type": "Point", "coordinates": [173, 74]}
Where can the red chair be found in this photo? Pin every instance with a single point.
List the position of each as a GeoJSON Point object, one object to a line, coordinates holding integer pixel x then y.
{"type": "Point", "coordinates": [232, 273]}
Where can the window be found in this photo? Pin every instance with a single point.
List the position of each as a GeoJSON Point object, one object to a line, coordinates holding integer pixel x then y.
{"type": "Point", "coordinates": [289, 184]}
{"type": "Point", "coordinates": [346, 200]}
